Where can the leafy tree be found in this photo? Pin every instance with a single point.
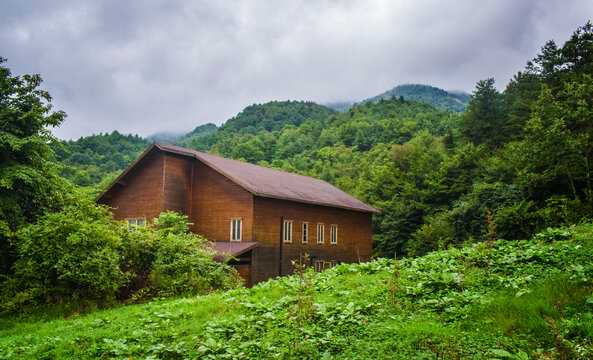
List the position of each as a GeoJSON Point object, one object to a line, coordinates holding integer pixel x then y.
{"type": "Point", "coordinates": [483, 120]}
{"type": "Point", "coordinates": [28, 183]}
{"type": "Point", "coordinates": [559, 142]}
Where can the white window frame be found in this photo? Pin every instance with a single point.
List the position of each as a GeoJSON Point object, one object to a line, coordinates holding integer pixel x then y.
{"type": "Point", "coordinates": [135, 222]}
{"type": "Point", "coordinates": [287, 231]}
{"type": "Point", "coordinates": [333, 234]}
{"type": "Point", "coordinates": [305, 233]}
{"type": "Point", "coordinates": [321, 265]}
{"type": "Point", "coordinates": [234, 223]}
{"type": "Point", "coordinates": [320, 234]}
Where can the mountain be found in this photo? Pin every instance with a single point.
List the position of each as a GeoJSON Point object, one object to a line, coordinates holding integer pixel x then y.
{"type": "Point", "coordinates": [199, 131]}
{"type": "Point", "coordinates": [254, 119]}
{"type": "Point", "coordinates": [454, 101]}
{"type": "Point", "coordinates": [165, 136]}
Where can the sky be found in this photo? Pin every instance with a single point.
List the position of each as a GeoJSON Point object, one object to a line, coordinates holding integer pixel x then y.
{"type": "Point", "coordinates": [151, 66]}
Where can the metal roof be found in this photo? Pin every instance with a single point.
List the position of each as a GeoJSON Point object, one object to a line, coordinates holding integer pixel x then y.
{"type": "Point", "coordinates": [272, 183]}
{"type": "Point", "coordinates": [262, 181]}
{"type": "Point", "coordinates": [232, 248]}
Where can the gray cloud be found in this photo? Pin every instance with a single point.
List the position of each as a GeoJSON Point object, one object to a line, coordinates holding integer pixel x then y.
{"type": "Point", "coordinates": [148, 66]}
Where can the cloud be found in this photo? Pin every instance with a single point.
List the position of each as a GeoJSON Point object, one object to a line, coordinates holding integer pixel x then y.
{"type": "Point", "coordinates": [151, 66]}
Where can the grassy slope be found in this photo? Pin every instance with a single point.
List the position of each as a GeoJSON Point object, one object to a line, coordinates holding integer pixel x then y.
{"type": "Point", "coordinates": [500, 300]}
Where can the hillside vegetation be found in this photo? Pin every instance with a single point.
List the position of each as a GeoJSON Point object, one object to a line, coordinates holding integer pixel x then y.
{"type": "Point", "coordinates": [499, 300]}
{"type": "Point", "coordinates": [454, 101]}
{"type": "Point", "coordinates": [439, 98]}
{"type": "Point", "coordinates": [96, 160]}
{"type": "Point", "coordinates": [257, 118]}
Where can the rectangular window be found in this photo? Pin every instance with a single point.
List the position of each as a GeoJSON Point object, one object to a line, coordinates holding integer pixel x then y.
{"type": "Point", "coordinates": [136, 222]}
{"type": "Point", "coordinates": [305, 232]}
{"type": "Point", "coordinates": [333, 234]}
{"type": "Point", "coordinates": [320, 230]}
{"type": "Point", "coordinates": [321, 265]}
{"type": "Point", "coordinates": [236, 229]}
{"type": "Point", "coordinates": [287, 231]}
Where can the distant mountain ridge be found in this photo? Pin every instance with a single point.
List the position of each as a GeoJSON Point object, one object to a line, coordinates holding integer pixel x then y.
{"type": "Point", "coordinates": [165, 136]}
{"type": "Point", "coordinates": [454, 101]}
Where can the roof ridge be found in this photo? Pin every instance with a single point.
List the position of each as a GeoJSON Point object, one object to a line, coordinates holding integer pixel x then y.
{"type": "Point", "coordinates": [266, 182]}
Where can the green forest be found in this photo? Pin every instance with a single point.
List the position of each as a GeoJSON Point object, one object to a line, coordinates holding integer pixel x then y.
{"type": "Point", "coordinates": [486, 210]}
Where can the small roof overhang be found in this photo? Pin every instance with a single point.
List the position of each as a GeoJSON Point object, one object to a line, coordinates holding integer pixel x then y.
{"type": "Point", "coordinates": [234, 248]}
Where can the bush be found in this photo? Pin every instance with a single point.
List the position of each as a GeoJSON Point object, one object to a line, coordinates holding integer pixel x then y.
{"type": "Point", "coordinates": [436, 233]}
{"type": "Point", "coordinates": [166, 260]}
{"type": "Point", "coordinates": [67, 256]}
{"type": "Point", "coordinates": [81, 257]}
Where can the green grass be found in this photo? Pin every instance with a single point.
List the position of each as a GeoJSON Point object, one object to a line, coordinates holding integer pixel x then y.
{"type": "Point", "coordinates": [515, 299]}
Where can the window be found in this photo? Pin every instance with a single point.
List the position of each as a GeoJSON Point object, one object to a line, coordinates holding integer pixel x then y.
{"type": "Point", "coordinates": [136, 222]}
{"type": "Point", "coordinates": [236, 229]}
{"type": "Point", "coordinates": [320, 230]}
{"type": "Point", "coordinates": [287, 231]}
{"type": "Point", "coordinates": [305, 232]}
{"type": "Point", "coordinates": [321, 265]}
{"type": "Point", "coordinates": [333, 234]}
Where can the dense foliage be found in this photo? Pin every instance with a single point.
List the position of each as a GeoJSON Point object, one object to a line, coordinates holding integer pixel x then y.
{"type": "Point", "coordinates": [29, 185]}
{"type": "Point", "coordinates": [97, 160]}
{"type": "Point", "coordinates": [199, 131]}
{"type": "Point", "coordinates": [80, 257]}
{"type": "Point", "coordinates": [259, 118]}
{"type": "Point", "coordinates": [439, 98]}
{"type": "Point", "coordinates": [495, 300]}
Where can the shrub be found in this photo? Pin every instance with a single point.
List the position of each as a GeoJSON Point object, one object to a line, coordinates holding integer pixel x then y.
{"type": "Point", "coordinates": [166, 260]}
{"type": "Point", "coordinates": [67, 256]}
{"type": "Point", "coordinates": [435, 234]}
{"type": "Point", "coordinates": [80, 257]}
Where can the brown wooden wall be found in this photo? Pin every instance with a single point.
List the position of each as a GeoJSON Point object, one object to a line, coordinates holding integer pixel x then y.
{"type": "Point", "coordinates": [140, 195]}
{"type": "Point", "coordinates": [177, 183]}
{"type": "Point", "coordinates": [354, 235]}
{"type": "Point", "coordinates": [215, 201]}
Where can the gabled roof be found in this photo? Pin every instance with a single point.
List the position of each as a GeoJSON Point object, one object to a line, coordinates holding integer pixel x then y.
{"type": "Point", "coordinates": [232, 248]}
{"type": "Point", "coordinates": [265, 182]}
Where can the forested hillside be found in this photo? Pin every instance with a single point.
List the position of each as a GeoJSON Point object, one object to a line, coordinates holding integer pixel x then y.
{"type": "Point", "coordinates": [257, 118]}
{"type": "Point", "coordinates": [439, 98]}
{"type": "Point", "coordinates": [199, 131]}
{"type": "Point", "coordinates": [454, 101]}
{"type": "Point", "coordinates": [97, 159]}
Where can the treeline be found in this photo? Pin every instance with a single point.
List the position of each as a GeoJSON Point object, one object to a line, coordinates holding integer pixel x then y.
{"type": "Point", "coordinates": [96, 160]}
{"type": "Point", "coordinates": [439, 98]}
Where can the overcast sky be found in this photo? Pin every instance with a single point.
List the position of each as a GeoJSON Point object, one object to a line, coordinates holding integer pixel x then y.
{"type": "Point", "coordinates": [149, 66]}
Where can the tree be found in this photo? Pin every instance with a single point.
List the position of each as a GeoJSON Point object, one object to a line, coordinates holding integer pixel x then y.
{"type": "Point", "coordinates": [483, 120]}
{"type": "Point", "coordinates": [28, 183]}
{"type": "Point", "coordinates": [559, 142]}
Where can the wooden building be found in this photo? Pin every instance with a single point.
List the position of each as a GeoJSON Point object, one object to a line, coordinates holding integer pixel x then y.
{"type": "Point", "coordinates": [263, 217]}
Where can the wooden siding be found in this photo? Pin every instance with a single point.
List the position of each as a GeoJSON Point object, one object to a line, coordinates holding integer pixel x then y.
{"type": "Point", "coordinates": [140, 194]}
{"type": "Point", "coordinates": [354, 236]}
{"type": "Point", "coordinates": [177, 183]}
{"type": "Point", "coordinates": [215, 201]}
